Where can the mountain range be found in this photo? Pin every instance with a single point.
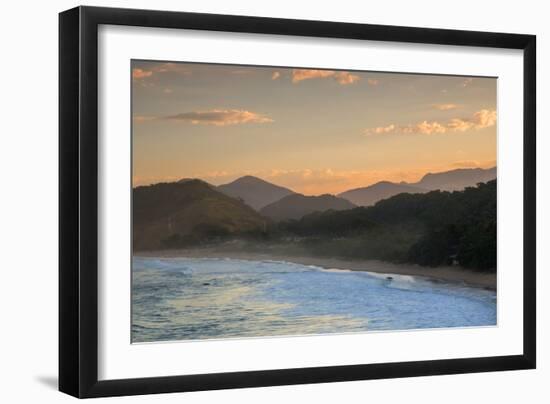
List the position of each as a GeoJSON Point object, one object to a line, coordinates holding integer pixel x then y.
{"type": "Point", "coordinates": [191, 211]}
{"type": "Point", "coordinates": [295, 206]}
{"type": "Point", "coordinates": [368, 196]}
{"type": "Point", "coordinates": [454, 180]}
{"type": "Point", "coordinates": [254, 191]}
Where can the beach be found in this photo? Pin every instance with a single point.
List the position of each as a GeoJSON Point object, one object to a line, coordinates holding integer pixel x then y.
{"type": "Point", "coordinates": [451, 274]}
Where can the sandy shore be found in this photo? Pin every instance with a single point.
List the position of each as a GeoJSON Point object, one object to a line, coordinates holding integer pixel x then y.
{"type": "Point", "coordinates": [442, 274]}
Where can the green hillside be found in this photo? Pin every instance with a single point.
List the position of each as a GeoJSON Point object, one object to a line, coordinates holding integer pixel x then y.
{"type": "Point", "coordinates": [295, 206]}
{"type": "Point", "coordinates": [432, 229]}
{"type": "Point", "coordinates": [170, 215]}
{"type": "Point", "coordinates": [436, 228]}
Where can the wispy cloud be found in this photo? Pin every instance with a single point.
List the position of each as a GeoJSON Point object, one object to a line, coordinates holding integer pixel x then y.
{"type": "Point", "coordinates": [343, 78]}
{"type": "Point", "coordinates": [373, 82]}
{"type": "Point", "coordinates": [275, 75]}
{"type": "Point", "coordinates": [143, 118]}
{"type": "Point", "coordinates": [445, 107]}
{"type": "Point", "coordinates": [481, 119]}
{"type": "Point", "coordinates": [317, 181]}
{"type": "Point", "coordinates": [139, 74]}
{"type": "Point", "coordinates": [381, 130]}
{"type": "Point", "coordinates": [172, 68]}
{"type": "Point", "coordinates": [215, 117]}
{"type": "Point", "coordinates": [303, 74]}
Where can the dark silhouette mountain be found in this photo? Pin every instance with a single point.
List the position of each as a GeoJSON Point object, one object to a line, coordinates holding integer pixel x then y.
{"type": "Point", "coordinates": [368, 196]}
{"type": "Point", "coordinates": [456, 180]}
{"type": "Point", "coordinates": [184, 180]}
{"type": "Point", "coordinates": [169, 215]}
{"type": "Point", "coordinates": [254, 191]}
{"type": "Point", "coordinates": [432, 229]}
{"type": "Point", "coordinates": [297, 205]}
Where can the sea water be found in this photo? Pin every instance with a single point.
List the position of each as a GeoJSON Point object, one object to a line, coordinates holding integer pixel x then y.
{"type": "Point", "coordinates": [204, 298]}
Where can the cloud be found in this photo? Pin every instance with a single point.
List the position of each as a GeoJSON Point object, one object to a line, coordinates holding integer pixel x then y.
{"type": "Point", "coordinates": [318, 181]}
{"type": "Point", "coordinates": [383, 129]}
{"type": "Point", "coordinates": [139, 74]}
{"type": "Point", "coordinates": [167, 91]}
{"type": "Point", "coordinates": [304, 74]}
{"type": "Point", "coordinates": [275, 75]}
{"type": "Point", "coordinates": [426, 128]}
{"type": "Point", "coordinates": [218, 117]}
{"type": "Point", "coordinates": [373, 82]}
{"type": "Point", "coordinates": [346, 78]}
{"type": "Point", "coordinates": [481, 119]}
{"type": "Point", "coordinates": [342, 78]}
{"type": "Point", "coordinates": [312, 181]}
{"type": "Point", "coordinates": [485, 118]}
{"type": "Point", "coordinates": [445, 107]}
{"type": "Point", "coordinates": [172, 68]}
{"type": "Point", "coordinates": [143, 118]}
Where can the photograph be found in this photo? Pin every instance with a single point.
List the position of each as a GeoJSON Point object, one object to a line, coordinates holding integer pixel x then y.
{"type": "Point", "coordinates": [274, 201]}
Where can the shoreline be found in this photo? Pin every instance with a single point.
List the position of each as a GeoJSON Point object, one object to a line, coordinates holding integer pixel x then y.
{"type": "Point", "coordinates": [437, 274]}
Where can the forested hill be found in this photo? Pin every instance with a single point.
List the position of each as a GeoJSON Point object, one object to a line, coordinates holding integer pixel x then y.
{"type": "Point", "coordinates": [295, 206]}
{"type": "Point", "coordinates": [436, 228]}
{"type": "Point", "coordinates": [178, 214]}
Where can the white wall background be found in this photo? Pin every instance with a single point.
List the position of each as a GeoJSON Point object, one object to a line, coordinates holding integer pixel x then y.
{"type": "Point", "coordinates": [28, 202]}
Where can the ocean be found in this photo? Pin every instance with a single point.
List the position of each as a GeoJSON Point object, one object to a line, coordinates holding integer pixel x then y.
{"type": "Point", "coordinates": [176, 299]}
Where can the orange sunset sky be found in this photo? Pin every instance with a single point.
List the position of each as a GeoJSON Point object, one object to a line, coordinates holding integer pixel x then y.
{"type": "Point", "coordinates": [313, 131]}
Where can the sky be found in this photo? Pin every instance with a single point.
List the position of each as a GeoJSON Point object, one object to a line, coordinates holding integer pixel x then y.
{"type": "Point", "coordinates": [313, 131]}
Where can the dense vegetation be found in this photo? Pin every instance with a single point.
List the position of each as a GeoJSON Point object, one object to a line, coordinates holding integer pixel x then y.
{"type": "Point", "coordinates": [432, 229]}
{"type": "Point", "coordinates": [295, 206]}
{"type": "Point", "coordinates": [184, 214]}
{"type": "Point", "coordinates": [436, 228]}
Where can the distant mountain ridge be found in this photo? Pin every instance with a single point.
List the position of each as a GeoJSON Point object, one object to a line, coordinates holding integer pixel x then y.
{"type": "Point", "coordinates": [454, 180]}
{"type": "Point", "coordinates": [368, 196]}
{"type": "Point", "coordinates": [193, 212]}
{"type": "Point", "coordinates": [295, 206]}
{"type": "Point", "coordinates": [254, 191]}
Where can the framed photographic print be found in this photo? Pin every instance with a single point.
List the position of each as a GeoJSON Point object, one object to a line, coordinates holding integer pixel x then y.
{"type": "Point", "coordinates": [251, 201]}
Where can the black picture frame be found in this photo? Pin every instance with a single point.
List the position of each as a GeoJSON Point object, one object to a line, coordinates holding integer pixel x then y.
{"type": "Point", "coordinates": [78, 201]}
